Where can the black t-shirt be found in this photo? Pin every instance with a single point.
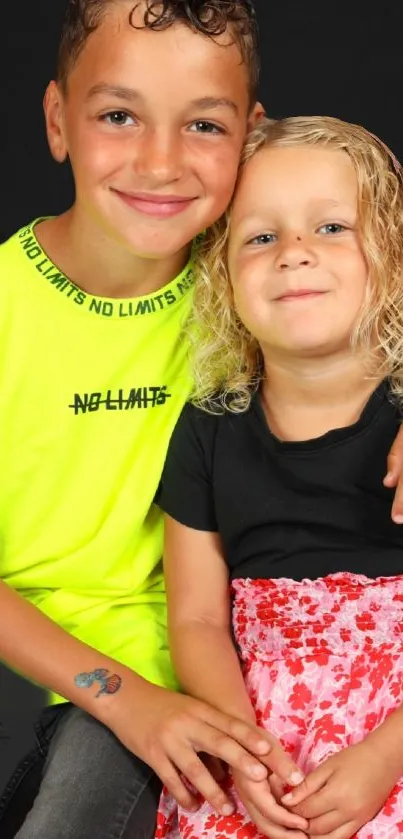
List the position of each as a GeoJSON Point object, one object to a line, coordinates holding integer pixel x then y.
{"type": "Point", "coordinates": [288, 509]}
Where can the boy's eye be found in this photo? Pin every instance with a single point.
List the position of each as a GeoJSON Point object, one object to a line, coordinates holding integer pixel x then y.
{"type": "Point", "coordinates": [203, 126]}
{"type": "Point", "coordinates": [263, 239]}
{"type": "Point", "coordinates": [118, 118]}
{"type": "Point", "coordinates": [332, 228]}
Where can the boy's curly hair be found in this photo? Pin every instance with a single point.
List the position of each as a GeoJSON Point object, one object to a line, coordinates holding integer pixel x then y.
{"type": "Point", "coordinates": [210, 18]}
{"type": "Point", "coordinates": [227, 360]}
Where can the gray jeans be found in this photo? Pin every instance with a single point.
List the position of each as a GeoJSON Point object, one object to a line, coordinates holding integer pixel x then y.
{"type": "Point", "coordinates": [90, 786]}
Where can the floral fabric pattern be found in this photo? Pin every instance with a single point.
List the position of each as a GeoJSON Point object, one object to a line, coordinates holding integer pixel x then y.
{"type": "Point", "coordinates": [323, 665]}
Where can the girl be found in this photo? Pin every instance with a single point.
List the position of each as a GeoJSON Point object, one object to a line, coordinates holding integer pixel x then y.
{"type": "Point", "coordinates": [274, 483]}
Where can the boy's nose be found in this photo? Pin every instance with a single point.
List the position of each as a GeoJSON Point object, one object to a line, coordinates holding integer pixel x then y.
{"type": "Point", "coordinates": [160, 160]}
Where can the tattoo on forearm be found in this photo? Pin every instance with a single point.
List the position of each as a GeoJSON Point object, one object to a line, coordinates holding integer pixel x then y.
{"type": "Point", "coordinates": [109, 683]}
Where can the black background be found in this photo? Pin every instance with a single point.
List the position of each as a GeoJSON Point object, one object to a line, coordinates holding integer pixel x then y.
{"type": "Point", "coordinates": [341, 59]}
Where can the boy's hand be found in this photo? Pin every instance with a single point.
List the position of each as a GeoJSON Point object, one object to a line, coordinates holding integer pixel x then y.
{"type": "Point", "coordinates": [270, 818]}
{"type": "Point", "coordinates": [394, 477]}
{"type": "Point", "coordinates": [345, 792]}
{"type": "Point", "coordinates": [168, 731]}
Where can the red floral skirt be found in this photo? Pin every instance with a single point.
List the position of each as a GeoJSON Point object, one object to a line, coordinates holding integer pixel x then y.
{"type": "Point", "coordinates": [323, 665]}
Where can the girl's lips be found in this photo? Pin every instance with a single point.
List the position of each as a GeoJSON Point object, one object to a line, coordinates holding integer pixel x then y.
{"type": "Point", "coordinates": [297, 295]}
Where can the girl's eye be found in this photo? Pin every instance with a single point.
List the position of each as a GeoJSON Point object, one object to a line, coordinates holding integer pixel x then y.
{"type": "Point", "coordinates": [202, 126]}
{"type": "Point", "coordinates": [119, 118]}
{"type": "Point", "coordinates": [332, 228]}
{"type": "Point", "coordinates": [263, 239]}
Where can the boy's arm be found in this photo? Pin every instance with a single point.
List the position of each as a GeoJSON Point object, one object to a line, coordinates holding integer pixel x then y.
{"type": "Point", "coordinates": [164, 729]}
{"type": "Point", "coordinates": [42, 651]}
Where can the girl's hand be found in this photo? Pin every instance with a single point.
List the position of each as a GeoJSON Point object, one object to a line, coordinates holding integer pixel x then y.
{"type": "Point", "coordinates": [270, 817]}
{"type": "Point", "coordinates": [347, 790]}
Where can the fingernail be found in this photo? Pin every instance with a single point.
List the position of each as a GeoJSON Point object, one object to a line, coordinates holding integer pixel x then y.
{"type": "Point", "coordinates": [296, 778]}
{"type": "Point", "coordinates": [227, 810]}
{"type": "Point", "coordinates": [398, 518]}
{"type": "Point", "coordinates": [389, 476]}
{"type": "Point", "coordinates": [264, 746]}
{"type": "Point", "coordinates": [287, 799]}
{"type": "Point", "coordinates": [258, 771]}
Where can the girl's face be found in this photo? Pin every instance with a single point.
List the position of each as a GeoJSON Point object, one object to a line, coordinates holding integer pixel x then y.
{"type": "Point", "coordinates": [296, 262]}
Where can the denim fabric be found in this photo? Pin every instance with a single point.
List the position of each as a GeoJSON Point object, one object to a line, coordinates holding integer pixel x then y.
{"type": "Point", "coordinates": [79, 782]}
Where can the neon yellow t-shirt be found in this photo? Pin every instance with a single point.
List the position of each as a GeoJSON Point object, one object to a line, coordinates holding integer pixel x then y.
{"type": "Point", "coordinates": [90, 391]}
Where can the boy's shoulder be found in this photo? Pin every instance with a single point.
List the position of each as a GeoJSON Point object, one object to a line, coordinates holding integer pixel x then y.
{"type": "Point", "coordinates": [20, 248]}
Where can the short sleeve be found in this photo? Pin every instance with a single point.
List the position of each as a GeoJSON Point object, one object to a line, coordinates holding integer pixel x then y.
{"type": "Point", "coordinates": [186, 489]}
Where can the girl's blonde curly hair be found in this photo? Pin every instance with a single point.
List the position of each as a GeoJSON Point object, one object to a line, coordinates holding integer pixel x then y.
{"type": "Point", "coordinates": [227, 363]}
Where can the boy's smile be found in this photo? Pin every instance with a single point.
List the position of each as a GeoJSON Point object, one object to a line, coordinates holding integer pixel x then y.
{"type": "Point", "coordinates": [154, 204]}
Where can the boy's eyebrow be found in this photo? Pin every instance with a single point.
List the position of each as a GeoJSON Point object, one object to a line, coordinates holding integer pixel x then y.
{"type": "Point", "coordinates": [127, 93]}
{"type": "Point", "coordinates": [206, 103]}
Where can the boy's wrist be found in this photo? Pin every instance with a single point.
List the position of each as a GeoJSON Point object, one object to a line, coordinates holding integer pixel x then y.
{"type": "Point", "coordinates": [136, 697]}
{"type": "Point", "coordinates": [104, 696]}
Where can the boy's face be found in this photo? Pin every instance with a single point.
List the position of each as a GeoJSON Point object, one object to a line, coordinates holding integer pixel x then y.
{"type": "Point", "coordinates": [297, 266]}
{"type": "Point", "coordinates": [153, 124]}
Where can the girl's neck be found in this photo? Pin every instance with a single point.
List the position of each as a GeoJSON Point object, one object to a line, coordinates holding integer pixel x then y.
{"type": "Point", "coordinates": [305, 399]}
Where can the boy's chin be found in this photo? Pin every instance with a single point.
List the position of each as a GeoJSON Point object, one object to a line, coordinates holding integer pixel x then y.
{"type": "Point", "coordinates": [163, 254]}
{"type": "Point", "coordinates": [163, 245]}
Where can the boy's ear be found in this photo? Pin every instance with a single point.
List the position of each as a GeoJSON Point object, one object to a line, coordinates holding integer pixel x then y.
{"type": "Point", "coordinates": [53, 106]}
{"type": "Point", "coordinates": [256, 114]}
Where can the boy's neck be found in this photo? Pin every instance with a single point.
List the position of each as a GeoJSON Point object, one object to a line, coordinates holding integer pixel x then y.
{"type": "Point", "coordinates": [99, 265]}
{"type": "Point", "coordinates": [304, 400]}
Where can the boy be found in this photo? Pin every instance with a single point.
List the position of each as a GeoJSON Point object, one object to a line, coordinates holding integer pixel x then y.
{"type": "Point", "coordinates": [151, 106]}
